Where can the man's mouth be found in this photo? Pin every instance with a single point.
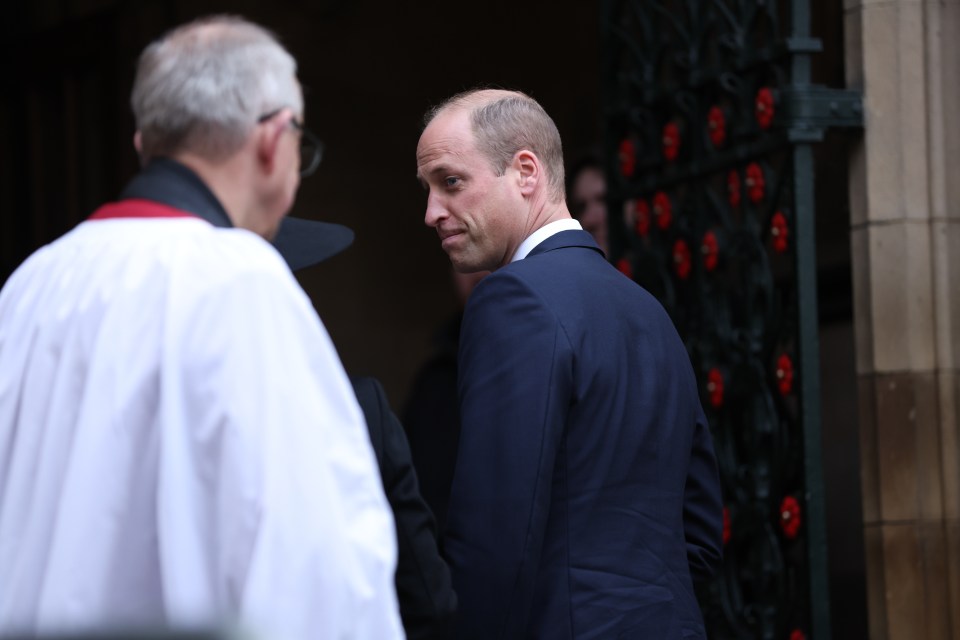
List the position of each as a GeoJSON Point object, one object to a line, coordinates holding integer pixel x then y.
{"type": "Point", "coordinates": [449, 237]}
{"type": "Point", "coordinates": [448, 233]}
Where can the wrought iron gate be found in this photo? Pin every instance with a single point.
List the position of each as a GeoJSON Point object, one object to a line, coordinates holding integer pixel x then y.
{"type": "Point", "coordinates": [709, 118]}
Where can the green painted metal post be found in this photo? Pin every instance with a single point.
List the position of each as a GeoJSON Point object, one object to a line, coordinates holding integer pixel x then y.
{"type": "Point", "coordinates": [810, 390]}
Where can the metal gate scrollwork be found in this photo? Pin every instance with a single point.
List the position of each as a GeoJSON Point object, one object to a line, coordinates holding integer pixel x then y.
{"type": "Point", "coordinates": [709, 119]}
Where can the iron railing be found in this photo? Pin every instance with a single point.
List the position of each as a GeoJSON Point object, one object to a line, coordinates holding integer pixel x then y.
{"type": "Point", "coordinates": [709, 121]}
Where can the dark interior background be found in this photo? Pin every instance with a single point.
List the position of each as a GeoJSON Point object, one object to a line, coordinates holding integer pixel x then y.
{"type": "Point", "coordinates": [370, 69]}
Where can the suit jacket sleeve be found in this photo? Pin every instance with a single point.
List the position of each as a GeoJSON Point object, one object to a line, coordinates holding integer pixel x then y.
{"type": "Point", "coordinates": [427, 600]}
{"type": "Point", "coordinates": [703, 506]}
{"type": "Point", "coordinates": [515, 387]}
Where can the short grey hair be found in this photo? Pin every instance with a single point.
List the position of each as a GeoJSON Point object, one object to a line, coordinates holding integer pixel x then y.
{"type": "Point", "coordinates": [505, 122]}
{"type": "Point", "coordinates": [202, 86]}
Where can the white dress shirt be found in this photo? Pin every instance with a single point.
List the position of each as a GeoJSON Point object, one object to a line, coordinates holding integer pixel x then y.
{"type": "Point", "coordinates": [544, 232]}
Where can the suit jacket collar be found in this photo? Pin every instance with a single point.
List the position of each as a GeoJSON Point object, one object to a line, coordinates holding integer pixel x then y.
{"type": "Point", "coordinates": [566, 239]}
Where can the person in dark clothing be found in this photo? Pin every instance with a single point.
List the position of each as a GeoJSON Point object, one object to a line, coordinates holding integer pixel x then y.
{"type": "Point", "coordinates": [431, 415]}
{"type": "Point", "coordinates": [424, 588]}
{"type": "Point", "coordinates": [427, 601]}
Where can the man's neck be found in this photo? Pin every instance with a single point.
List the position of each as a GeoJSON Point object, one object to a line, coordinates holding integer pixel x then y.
{"type": "Point", "coordinates": [546, 212]}
{"type": "Point", "coordinates": [228, 183]}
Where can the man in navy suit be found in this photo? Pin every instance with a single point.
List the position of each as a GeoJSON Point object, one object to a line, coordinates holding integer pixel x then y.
{"type": "Point", "coordinates": [586, 499]}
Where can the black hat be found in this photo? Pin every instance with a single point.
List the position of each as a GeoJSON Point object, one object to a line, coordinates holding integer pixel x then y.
{"type": "Point", "coordinates": [304, 243]}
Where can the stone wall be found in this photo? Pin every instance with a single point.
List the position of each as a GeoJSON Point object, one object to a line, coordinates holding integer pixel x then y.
{"type": "Point", "coordinates": [905, 202]}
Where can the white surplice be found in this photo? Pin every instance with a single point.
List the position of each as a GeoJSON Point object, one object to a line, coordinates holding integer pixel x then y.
{"type": "Point", "coordinates": [179, 444]}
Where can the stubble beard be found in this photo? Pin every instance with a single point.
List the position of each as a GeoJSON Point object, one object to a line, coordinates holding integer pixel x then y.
{"type": "Point", "coordinates": [463, 264]}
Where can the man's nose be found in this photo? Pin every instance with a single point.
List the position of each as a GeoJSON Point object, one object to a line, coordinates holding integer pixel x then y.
{"type": "Point", "coordinates": [435, 211]}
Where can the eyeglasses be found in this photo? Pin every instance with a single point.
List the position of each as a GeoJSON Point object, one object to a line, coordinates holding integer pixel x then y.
{"type": "Point", "coordinates": [311, 148]}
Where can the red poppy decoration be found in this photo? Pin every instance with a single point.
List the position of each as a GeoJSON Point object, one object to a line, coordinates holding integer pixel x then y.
{"type": "Point", "coordinates": [681, 259]}
{"type": "Point", "coordinates": [710, 249]}
{"type": "Point", "coordinates": [779, 232]}
{"type": "Point", "coordinates": [790, 517]}
{"type": "Point", "coordinates": [726, 526]}
{"type": "Point", "coordinates": [671, 141]}
{"type": "Point", "coordinates": [624, 266]}
{"type": "Point", "coordinates": [716, 126]}
{"type": "Point", "coordinates": [785, 374]}
{"type": "Point", "coordinates": [662, 209]}
{"type": "Point", "coordinates": [796, 634]}
{"type": "Point", "coordinates": [628, 158]}
{"type": "Point", "coordinates": [755, 182]}
{"type": "Point", "coordinates": [733, 188]}
{"type": "Point", "coordinates": [764, 107]}
{"type": "Point", "coordinates": [715, 387]}
{"type": "Point", "coordinates": [643, 218]}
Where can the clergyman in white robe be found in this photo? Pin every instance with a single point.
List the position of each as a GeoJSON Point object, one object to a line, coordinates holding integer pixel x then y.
{"type": "Point", "coordinates": [179, 444]}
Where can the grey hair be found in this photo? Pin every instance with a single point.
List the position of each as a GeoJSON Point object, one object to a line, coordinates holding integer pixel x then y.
{"type": "Point", "coordinates": [202, 86]}
{"type": "Point", "coordinates": [505, 122]}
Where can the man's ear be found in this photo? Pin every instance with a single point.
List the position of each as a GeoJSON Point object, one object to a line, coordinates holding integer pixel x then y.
{"type": "Point", "coordinates": [138, 145]}
{"type": "Point", "coordinates": [530, 173]}
{"type": "Point", "coordinates": [267, 142]}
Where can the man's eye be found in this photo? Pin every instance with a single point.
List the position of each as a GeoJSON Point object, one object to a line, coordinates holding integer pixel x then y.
{"type": "Point", "coordinates": [451, 181]}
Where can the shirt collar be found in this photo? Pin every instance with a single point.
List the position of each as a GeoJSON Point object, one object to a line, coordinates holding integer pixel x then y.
{"type": "Point", "coordinates": [174, 184]}
{"type": "Point", "coordinates": [544, 232]}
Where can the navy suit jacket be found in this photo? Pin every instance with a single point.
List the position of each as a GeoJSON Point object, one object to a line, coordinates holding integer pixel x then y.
{"type": "Point", "coordinates": [586, 498]}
